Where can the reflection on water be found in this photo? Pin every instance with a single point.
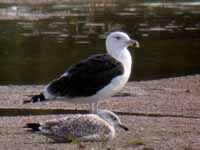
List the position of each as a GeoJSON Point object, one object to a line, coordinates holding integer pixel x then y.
{"type": "Point", "coordinates": [38, 42]}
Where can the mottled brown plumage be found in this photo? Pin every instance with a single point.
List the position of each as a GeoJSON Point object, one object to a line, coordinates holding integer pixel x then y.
{"type": "Point", "coordinates": [87, 127]}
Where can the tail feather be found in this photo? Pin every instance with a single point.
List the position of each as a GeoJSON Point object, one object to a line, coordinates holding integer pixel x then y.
{"type": "Point", "coordinates": [33, 126]}
{"type": "Point", "coordinates": [35, 98]}
{"type": "Point", "coordinates": [38, 98]}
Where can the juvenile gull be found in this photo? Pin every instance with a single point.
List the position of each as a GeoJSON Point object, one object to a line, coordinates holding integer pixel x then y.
{"type": "Point", "coordinates": [85, 127]}
{"type": "Point", "coordinates": [95, 78]}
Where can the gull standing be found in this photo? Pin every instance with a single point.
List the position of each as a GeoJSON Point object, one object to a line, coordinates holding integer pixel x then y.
{"type": "Point", "coordinates": [86, 127]}
{"type": "Point", "coordinates": [95, 78]}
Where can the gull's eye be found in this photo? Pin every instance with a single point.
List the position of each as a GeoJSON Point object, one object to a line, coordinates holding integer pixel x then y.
{"type": "Point", "coordinates": [118, 37]}
{"type": "Point", "coordinates": [113, 118]}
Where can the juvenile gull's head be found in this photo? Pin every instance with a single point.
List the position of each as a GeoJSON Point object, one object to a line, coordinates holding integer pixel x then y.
{"type": "Point", "coordinates": [111, 118]}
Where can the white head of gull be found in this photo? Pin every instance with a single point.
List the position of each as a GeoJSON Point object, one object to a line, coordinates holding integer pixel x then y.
{"type": "Point", "coordinates": [117, 44]}
{"type": "Point", "coordinates": [95, 78]}
{"type": "Point", "coordinates": [86, 127]}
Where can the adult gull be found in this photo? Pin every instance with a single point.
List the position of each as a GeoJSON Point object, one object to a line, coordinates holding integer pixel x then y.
{"type": "Point", "coordinates": [95, 78]}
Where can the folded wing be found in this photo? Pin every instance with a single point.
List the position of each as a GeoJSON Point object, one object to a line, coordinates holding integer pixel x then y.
{"type": "Point", "coordinates": [87, 77]}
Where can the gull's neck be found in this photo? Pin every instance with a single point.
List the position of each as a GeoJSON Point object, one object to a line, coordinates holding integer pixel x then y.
{"type": "Point", "coordinates": [112, 128]}
{"type": "Point", "coordinates": [110, 124]}
{"type": "Point", "coordinates": [124, 57]}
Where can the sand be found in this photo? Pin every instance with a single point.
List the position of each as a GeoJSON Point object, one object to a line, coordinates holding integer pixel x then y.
{"type": "Point", "coordinates": [161, 114]}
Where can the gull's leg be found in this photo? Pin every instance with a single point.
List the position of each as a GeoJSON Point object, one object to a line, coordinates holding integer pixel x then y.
{"type": "Point", "coordinates": [76, 107]}
{"type": "Point", "coordinates": [91, 108]}
{"type": "Point", "coordinates": [94, 107]}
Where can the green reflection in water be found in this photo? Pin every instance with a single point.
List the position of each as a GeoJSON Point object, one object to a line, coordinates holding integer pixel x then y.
{"type": "Point", "coordinates": [37, 43]}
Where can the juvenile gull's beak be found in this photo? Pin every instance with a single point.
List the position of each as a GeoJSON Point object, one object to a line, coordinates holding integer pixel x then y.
{"type": "Point", "coordinates": [123, 127]}
{"type": "Point", "coordinates": [134, 43]}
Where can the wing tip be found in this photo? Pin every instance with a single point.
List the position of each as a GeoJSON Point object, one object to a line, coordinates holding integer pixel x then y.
{"type": "Point", "coordinates": [33, 126]}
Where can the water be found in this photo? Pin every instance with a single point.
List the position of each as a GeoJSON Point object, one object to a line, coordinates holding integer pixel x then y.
{"type": "Point", "coordinates": [39, 42]}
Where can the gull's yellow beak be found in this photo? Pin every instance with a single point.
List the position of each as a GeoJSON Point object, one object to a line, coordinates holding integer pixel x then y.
{"type": "Point", "coordinates": [134, 43]}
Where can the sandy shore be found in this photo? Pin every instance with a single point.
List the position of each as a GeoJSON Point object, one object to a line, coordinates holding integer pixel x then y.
{"type": "Point", "coordinates": [161, 114]}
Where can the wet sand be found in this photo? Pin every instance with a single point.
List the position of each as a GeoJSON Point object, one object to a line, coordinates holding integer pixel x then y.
{"type": "Point", "coordinates": [161, 114]}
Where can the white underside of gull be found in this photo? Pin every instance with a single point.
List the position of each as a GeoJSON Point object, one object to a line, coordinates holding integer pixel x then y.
{"type": "Point", "coordinates": [118, 82]}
